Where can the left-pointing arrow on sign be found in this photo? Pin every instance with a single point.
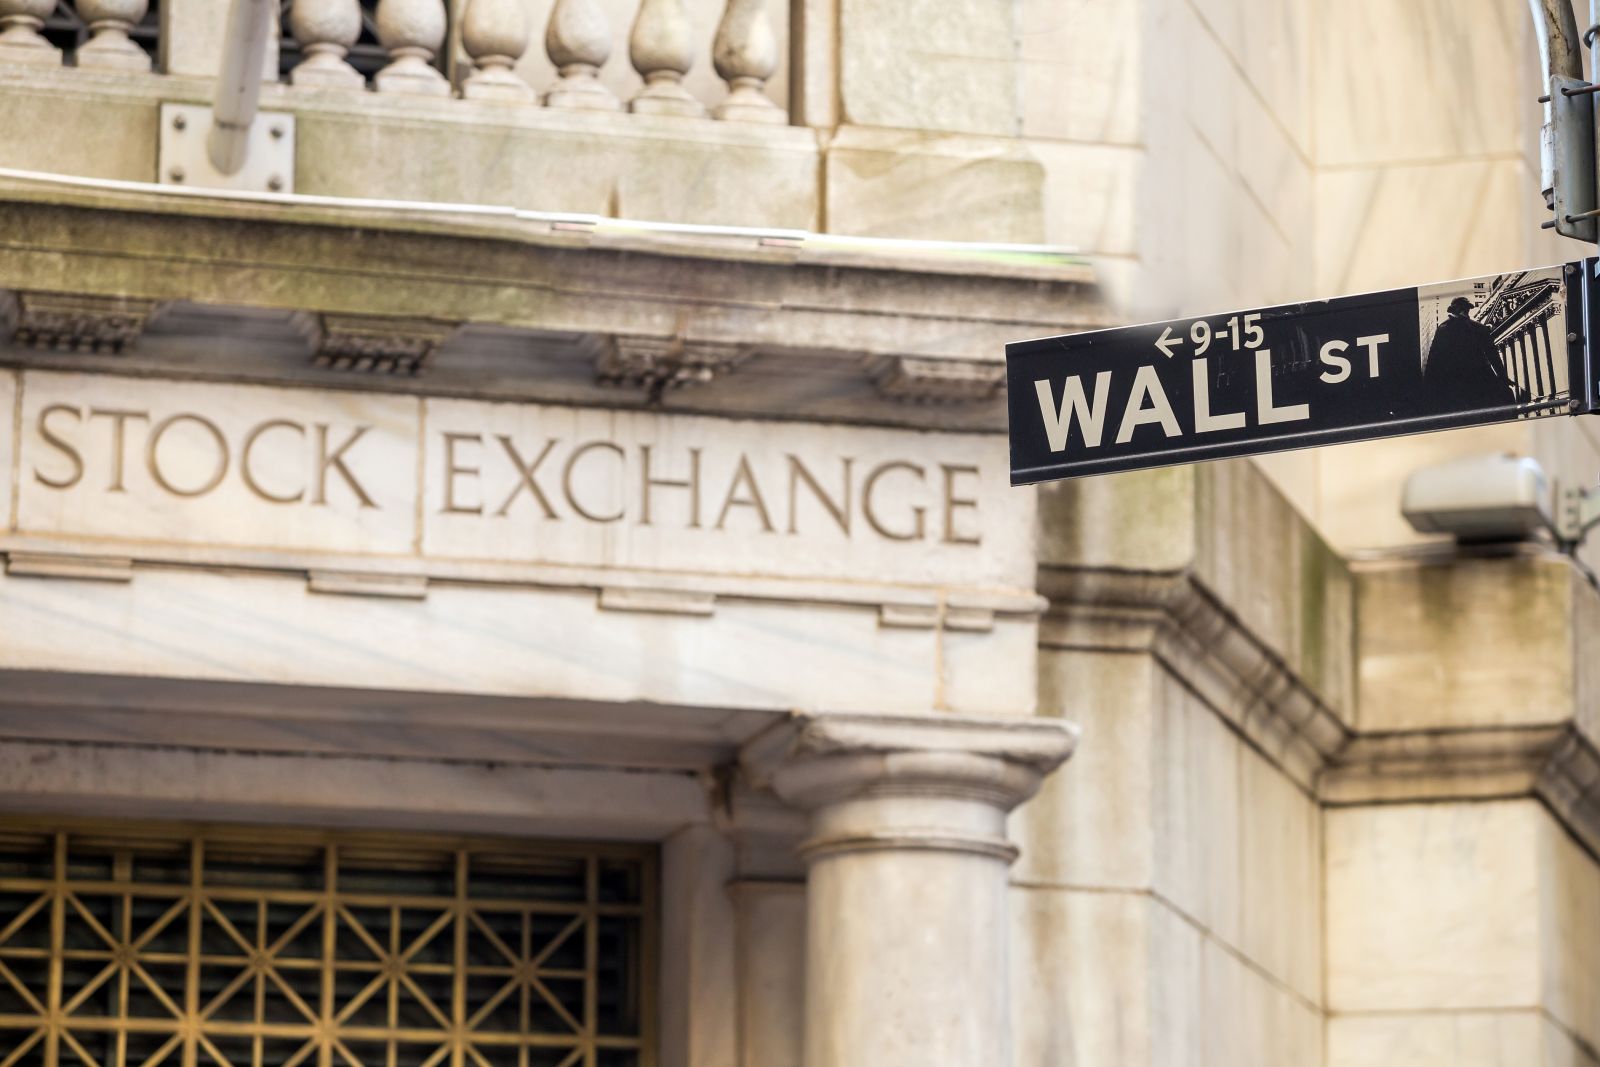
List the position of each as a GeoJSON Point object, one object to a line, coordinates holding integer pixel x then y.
{"type": "Point", "coordinates": [1166, 342]}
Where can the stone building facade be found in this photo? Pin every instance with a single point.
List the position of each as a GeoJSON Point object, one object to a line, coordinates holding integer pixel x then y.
{"type": "Point", "coordinates": [538, 584]}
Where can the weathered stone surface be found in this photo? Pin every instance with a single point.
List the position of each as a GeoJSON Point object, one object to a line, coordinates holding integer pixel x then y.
{"type": "Point", "coordinates": [1437, 1039]}
{"type": "Point", "coordinates": [1289, 588]}
{"type": "Point", "coordinates": [906, 183]}
{"type": "Point", "coordinates": [1433, 906]}
{"type": "Point", "coordinates": [1472, 643]}
{"type": "Point", "coordinates": [144, 461]}
{"type": "Point", "coordinates": [1240, 540]}
{"type": "Point", "coordinates": [956, 69]}
{"type": "Point", "coordinates": [447, 481]}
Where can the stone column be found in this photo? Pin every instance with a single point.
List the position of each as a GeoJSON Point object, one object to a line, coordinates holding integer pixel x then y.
{"type": "Point", "coordinates": [1541, 359]}
{"type": "Point", "coordinates": [907, 883]}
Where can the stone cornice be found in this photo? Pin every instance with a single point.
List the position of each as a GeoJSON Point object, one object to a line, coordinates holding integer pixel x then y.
{"type": "Point", "coordinates": [1436, 764]}
{"type": "Point", "coordinates": [1555, 762]}
{"type": "Point", "coordinates": [813, 758]}
{"type": "Point", "coordinates": [1171, 615]}
{"type": "Point", "coordinates": [812, 330]}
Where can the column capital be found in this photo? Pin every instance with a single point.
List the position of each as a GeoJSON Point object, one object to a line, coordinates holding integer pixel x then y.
{"type": "Point", "coordinates": [815, 759]}
{"type": "Point", "coordinates": [906, 876]}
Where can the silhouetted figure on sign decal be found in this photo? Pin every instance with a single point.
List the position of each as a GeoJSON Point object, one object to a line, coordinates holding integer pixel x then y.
{"type": "Point", "coordinates": [1464, 369]}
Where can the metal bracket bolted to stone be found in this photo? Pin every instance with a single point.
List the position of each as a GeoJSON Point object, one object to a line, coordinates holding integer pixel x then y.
{"type": "Point", "coordinates": [182, 159]}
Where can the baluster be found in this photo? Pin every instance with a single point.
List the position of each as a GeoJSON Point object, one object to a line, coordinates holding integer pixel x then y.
{"type": "Point", "coordinates": [20, 41]}
{"type": "Point", "coordinates": [661, 50]}
{"type": "Point", "coordinates": [745, 53]}
{"type": "Point", "coordinates": [111, 48]}
{"type": "Point", "coordinates": [412, 32]}
{"type": "Point", "coordinates": [326, 29]}
{"type": "Point", "coordinates": [495, 34]}
{"type": "Point", "coordinates": [578, 42]}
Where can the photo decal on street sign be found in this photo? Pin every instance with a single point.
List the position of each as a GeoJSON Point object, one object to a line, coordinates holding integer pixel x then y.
{"type": "Point", "coordinates": [1382, 364]}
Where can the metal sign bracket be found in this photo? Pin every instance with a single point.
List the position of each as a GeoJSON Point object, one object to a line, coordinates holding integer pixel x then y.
{"type": "Point", "coordinates": [1572, 154]}
{"type": "Point", "coordinates": [183, 158]}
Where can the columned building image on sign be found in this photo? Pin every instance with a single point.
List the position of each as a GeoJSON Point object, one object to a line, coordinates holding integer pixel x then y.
{"type": "Point", "coordinates": [510, 557]}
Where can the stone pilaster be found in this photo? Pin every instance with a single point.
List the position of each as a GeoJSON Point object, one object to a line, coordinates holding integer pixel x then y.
{"type": "Point", "coordinates": [907, 872]}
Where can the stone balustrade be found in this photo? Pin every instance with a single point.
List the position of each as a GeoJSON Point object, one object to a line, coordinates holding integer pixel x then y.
{"type": "Point", "coordinates": [476, 49]}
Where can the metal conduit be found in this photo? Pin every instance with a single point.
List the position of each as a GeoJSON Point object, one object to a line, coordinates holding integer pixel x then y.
{"type": "Point", "coordinates": [239, 82]}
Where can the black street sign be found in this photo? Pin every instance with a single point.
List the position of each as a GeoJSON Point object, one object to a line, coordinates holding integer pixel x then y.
{"type": "Point", "coordinates": [1509, 346]}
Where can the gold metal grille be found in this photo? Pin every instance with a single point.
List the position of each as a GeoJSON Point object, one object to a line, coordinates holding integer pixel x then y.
{"type": "Point", "coordinates": [126, 946]}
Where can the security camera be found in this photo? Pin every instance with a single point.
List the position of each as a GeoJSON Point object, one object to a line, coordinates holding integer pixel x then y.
{"type": "Point", "coordinates": [1499, 497]}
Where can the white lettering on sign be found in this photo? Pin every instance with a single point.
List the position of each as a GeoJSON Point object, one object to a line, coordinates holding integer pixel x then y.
{"type": "Point", "coordinates": [1204, 420]}
{"type": "Point", "coordinates": [1371, 345]}
{"type": "Point", "coordinates": [1341, 365]}
{"type": "Point", "coordinates": [304, 470]}
{"type": "Point", "coordinates": [1091, 416]}
{"type": "Point", "coordinates": [1266, 412]}
{"type": "Point", "coordinates": [1147, 386]}
{"type": "Point", "coordinates": [1148, 404]}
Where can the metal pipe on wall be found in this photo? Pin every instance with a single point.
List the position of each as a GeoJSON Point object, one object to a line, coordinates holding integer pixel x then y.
{"type": "Point", "coordinates": [1560, 53]}
{"type": "Point", "coordinates": [249, 30]}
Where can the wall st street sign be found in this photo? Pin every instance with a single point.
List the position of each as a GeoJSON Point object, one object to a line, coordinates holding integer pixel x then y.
{"type": "Point", "coordinates": [1494, 349]}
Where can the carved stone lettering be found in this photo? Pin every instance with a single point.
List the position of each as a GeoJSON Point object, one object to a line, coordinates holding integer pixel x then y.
{"type": "Point", "coordinates": [269, 469]}
{"type": "Point", "coordinates": [154, 461]}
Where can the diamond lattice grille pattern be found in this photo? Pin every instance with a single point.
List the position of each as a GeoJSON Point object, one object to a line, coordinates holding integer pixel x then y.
{"type": "Point", "coordinates": [122, 948]}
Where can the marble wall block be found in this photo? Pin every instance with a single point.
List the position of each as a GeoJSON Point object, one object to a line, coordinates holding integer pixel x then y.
{"type": "Point", "coordinates": [1277, 175]}
{"type": "Point", "coordinates": [930, 65]}
{"type": "Point", "coordinates": [1280, 848]}
{"type": "Point", "coordinates": [1090, 193]}
{"type": "Point", "coordinates": [1433, 79]}
{"type": "Point", "coordinates": [699, 951]}
{"type": "Point", "coordinates": [165, 468]}
{"type": "Point", "coordinates": [8, 402]}
{"type": "Point", "coordinates": [1083, 62]}
{"type": "Point", "coordinates": [1433, 906]}
{"type": "Point", "coordinates": [1295, 475]}
{"type": "Point", "coordinates": [915, 184]}
{"type": "Point", "coordinates": [466, 638]}
{"type": "Point", "coordinates": [147, 461]}
{"type": "Point", "coordinates": [1177, 1010]}
{"type": "Point", "coordinates": [772, 955]}
{"type": "Point", "coordinates": [192, 35]}
{"type": "Point", "coordinates": [1081, 977]}
{"type": "Point", "coordinates": [1586, 659]}
{"type": "Point", "coordinates": [971, 681]}
{"type": "Point", "coordinates": [1289, 588]}
{"type": "Point", "coordinates": [1569, 905]}
{"type": "Point", "coordinates": [1477, 643]}
{"type": "Point", "coordinates": [1093, 827]}
{"type": "Point", "coordinates": [614, 165]}
{"type": "Point", "coordinates": [1436, 1039]}
{"type": "Point", "coordinates": [1141, 519]}
{"type": "Point", "coordinates": [103, 136]}
{"type": "Point", "coordinates": [1401, 224]}
{"type": "Point", "coordinates": [1276, 54]}
{"type": "Point", "coordinates": [1559, 1047]}
{"type": "Point", "coordinates": [1210, 232]}
{"type": "Point", "coordinates": [1198, 818]}
{"type": "Point", "coordinates": [1250, 1019]}
{"type": "Point", "coordinates": [938, 504]}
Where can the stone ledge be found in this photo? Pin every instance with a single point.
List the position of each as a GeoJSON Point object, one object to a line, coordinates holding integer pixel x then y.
{"type": "Point", "coordinates": [809, 334]}
{"type": "Point", "coordinates": [1556, 763]}
{"type": "Point", "coordinates": [898, 606]}
{"type": "Point", "coordinates": [1040, 745]}
{"type": "Point", "coordinates": [1173, 616]}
